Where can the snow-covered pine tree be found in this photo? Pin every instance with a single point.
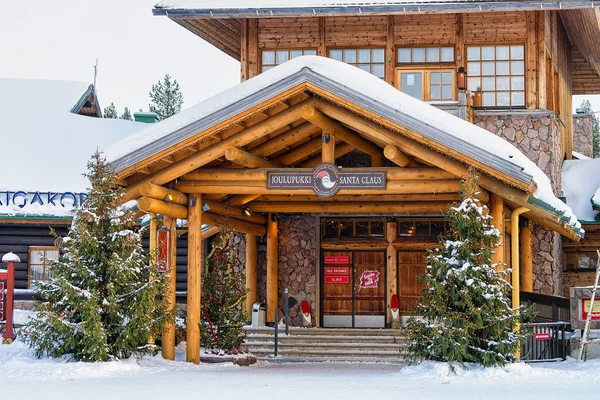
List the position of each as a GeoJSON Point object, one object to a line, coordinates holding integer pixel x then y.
{"type": "Point", "coordinates": [126, 115]}
{"type": "Point", "coordinates": [100, 303]}
{"type": "Point", "coordinates": [166, 99]}
{"type": "Point", "coordinates": [587, 106]}
{"type": "Point", "coordinates": [223, 298]}
{"type": "Point", "coordinates": [110, 111]}
{"type": "Point", "coordinates": [466, 309]}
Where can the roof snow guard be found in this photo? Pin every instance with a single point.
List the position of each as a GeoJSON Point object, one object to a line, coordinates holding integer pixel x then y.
{"type": "Point", "coordinates": [350, 85]}
{"type": "Point", "coordinates": [282, 8]}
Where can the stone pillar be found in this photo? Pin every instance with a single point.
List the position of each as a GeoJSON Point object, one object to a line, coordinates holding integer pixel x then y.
{"type": "Point", "coordinates": [583, 134]}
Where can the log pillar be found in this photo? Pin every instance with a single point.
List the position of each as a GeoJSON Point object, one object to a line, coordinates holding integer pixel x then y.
{"type": "Point", "coordinates": [251, 258]}
{"type": "Point", "coordinates": [526, 257]}
{"type": "Point", "coordinates": [194, 289]}
{"type": "Point", "coordinates": [153, 249]}
{"type": "Point", "coordinates": [497, 212]}
{"type": "Point", "coordinates": [392, 266]}
{"type": "Point", "coordinates": [168, 334]}
{"type": "Point", "coordinates": [328, 151]}
{"type": "Point", "coordinates": [272, 267]}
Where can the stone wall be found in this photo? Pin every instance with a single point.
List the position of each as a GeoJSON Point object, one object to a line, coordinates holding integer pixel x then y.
{"type": "Point", "coordinates": [537, 135]}
{"type": "Point", "coordinates": [583, 134]}
{"type": "Point", "coordinates": [297, 262]}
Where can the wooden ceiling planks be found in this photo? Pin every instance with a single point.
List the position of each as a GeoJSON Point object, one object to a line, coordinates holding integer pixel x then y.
{"type": "Point", "coordinates": [585, 79]}
{"type": "Point", "coordinates": [583, 28]}
{"type": "Point", "coordinates": [215, 33]}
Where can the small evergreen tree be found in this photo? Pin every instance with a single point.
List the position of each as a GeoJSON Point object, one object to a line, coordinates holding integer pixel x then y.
{"type": "Point", "coordinates": [166, 99]}
{"type": "Point", "coordinates": [110, 111]}
{"type": "Point", "coordinates": [587, 106]}
{"type": "Point", "coordinates": [466, 310]}
{"type": "Point", "coordinates": [103, 299]}
{"type": "Point", "coordinates": [126, 114]}
{"type": "Point", "coordinates": [223, 296]}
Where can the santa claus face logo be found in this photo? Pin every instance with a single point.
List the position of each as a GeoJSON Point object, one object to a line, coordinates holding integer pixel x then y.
{"type": "Point", "coordinates": [369, 279]}
{"type": "Point", "coordinates": [326, 180]}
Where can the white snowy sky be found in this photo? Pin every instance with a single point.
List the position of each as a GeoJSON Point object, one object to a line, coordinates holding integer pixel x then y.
{"type": "Point", "coordinates": [61, 40]}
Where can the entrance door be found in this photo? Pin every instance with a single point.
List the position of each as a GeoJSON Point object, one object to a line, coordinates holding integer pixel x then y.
{"type": "Point", "coordinates": [411, 264]}
{"type": "Point", "coordinates": [353, 289]}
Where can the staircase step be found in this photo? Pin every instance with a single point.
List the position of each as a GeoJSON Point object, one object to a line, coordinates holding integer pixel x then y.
{"type": "Point", "coordinates": [317, 339]}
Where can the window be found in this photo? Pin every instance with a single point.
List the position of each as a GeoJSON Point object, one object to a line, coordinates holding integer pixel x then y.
{"type": "Point", "coordinates": [580, 260]}
{"type": "Point", "coordinates": [39, 262]}
{"type": "Point", "coordinates": [499, 72]}
{"type": "Point", "coordinates": [420, 55]}
{"type": "Point", "coordinates": [272, 58]}
{"type": "Point", "coordinates": [352, 227]}
{"type": "Point", "coordinates": [370, 60]}
{"type": "Point", "coordinates": [421, 228]}
{"type": "Point", "coordinates": [428, 85]}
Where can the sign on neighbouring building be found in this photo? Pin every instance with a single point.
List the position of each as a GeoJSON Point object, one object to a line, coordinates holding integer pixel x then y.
{"type": "Point", "coordinates": [325, 179]}
{"type": "Point", "coordinates": [585, 309]}
{"type": "Point", "coordinates": [21, 199]}
{"type": "Point", "coordinates": [580, 307]}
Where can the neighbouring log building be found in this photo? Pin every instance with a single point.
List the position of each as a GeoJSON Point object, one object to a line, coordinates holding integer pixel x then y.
{"type": "Point", "coordinates": [336, 178]}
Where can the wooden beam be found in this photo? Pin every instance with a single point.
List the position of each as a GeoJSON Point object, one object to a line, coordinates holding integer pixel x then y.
{"type": "Point", "coordinates": [497, 213]}
{"type": "Point", "coordinates": [153, 248]}
{"type": "Point", "coordinates": [260, 187]}
{"type": "Point", "coordinates": [391, 264]}
{"type": "Point", "coordinates": [170, 299]}
{"type": "Point", "coordinates": [194, 276]}
{"type": "Point", "coordinates": [272, 267]}
{"type": "Point", "coordinates": [217, 150]}
{"type": "Point", "coordinates": [350, 207]}
{"type": "Point", "coordinates": [531, 95]}
{"type": "Point", "coordinates": [210, 232]}
{"type": "Point", "coordinates": [251, 261]}
{"type": "Point", "coordinates": [260, 174]}
{"type": "Point", "coordinates": [244, 50]}
{"type": "Point", "coordinates": [322, 49]}
{"type": "Point", "coordinates": [151, 190]}
{"type": "Point", "coordinates": [306, 150]}
{"type": "Point", "coordinates": [253, 63]}
{"type": "Point", "coordinates": [248, 160]}
{"type": "Point", "coordinates": [328, 148]}
{"type": "Point", "coordinates": [233, 224]}
{"type": "Point", "coordinates": [393, 154]}
{"type": "Point", "coordinates": [241, 199]}
{"type": "Point", "coordinates": [390, 51]}
{"type": "Point", "coordinates": [448, 197]}
{"type": "Point", "coordinates": [326, 124]}
{"type": "Point", "coordinates": [341, 149]}
{"type": "Point", "coordinates": [235, 212]}
{"type": "Point", "coordinates": [526, 258]}
{"type": "Point", "coordinates": [284, 140]}
{"type": "Point", "coordinates": [162, 207]}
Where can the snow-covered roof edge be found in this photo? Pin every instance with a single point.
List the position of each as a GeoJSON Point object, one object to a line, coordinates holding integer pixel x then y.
{"type": "Point", "coordinates": [357, 87]}
{"type": "Point", "coordinates": [270, 8]}
{"type": "Point", "coordinates": [595, 200]}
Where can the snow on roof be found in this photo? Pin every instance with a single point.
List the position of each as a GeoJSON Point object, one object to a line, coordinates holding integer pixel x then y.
{"type": "Point", "coordinates": [580, 181]}
{"type": "Point", "coordinates": [596, 198]}
{"type": "Point", "coordinates": [46, 147]}
{"type": "Point", "coordinates": [579, 156]}
{"type": "Point", "coordinates": [369, 86]}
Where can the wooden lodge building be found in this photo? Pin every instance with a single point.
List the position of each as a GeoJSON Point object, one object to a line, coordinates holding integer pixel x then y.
{"type": "Point", "coordinates": [335, 168]}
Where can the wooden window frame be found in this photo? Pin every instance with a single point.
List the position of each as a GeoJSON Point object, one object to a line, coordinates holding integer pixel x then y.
{"type": "Point", "coordinates": [356, 64]}
{"type": "Point", "coordinates": [289, 50]}
{"type": "Point", "coordinates": [426, 63]}
{"type": "Point", "coordinates": [510, 75]}
{"type": "Point", "coordinates": [45, 266]}
{"type": "Point", "coordinates": [415, 220]}
{"type": "Point", "coordinates": [354, 234]}
{"type": "Point", "coordinates": [577, 267]}
{"type": "Point", "coordinates": [426, 71]}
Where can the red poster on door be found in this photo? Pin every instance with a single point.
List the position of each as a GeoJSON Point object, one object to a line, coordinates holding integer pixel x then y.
{"type": "Point", "coordinates": [337, 279]}
{"type": "Point", "coordinates": [337, 260]}
{"type": "Point", "coordinates": [369, 279]}
{"type": "Point", "coordinates": [337, 271]}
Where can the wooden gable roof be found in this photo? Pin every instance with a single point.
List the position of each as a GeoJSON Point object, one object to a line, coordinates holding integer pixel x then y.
{"type": "Point", "coordinates": [223, 146]}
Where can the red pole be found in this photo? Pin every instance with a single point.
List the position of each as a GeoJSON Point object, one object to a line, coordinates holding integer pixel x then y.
{"type": "Point", "coordinates": [9, 336]}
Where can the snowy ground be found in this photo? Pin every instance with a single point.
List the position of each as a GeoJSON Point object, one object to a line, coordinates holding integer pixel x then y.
{"type": "Point", "coordinates": [24, 377]}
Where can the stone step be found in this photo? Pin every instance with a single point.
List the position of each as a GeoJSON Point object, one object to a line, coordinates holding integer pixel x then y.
{"type": "Point", "coordinates": [318, 339]}
{"type": "Point", "coordinates": [373, 355]}
{"type": "Point", "coordinates": [327, 331]}
{"type": "Point", "coordinates": [357, 347]}
{"type": "Point", "coordinates": [291, 359]}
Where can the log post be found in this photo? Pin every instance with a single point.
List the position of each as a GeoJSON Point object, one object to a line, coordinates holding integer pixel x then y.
{"type": "Point", "coordinates": [272, 267]}
{"type": "Point", "coordinates": [251, 258]}
{"type": "Point", "coordinates": [194, 278]}
{"type": "Point", "coordinates": [152, 251]}
{"type": "Point", "coordinates": [497, 212]}
{"type": "Point", "coordinates": [328, 150]}
{"type": "Point", "coordinates": [168, 335]}
{"type": "Point", "coordinates": [392, 266]}
{"type": "Point", "coordinates": [526, 257]}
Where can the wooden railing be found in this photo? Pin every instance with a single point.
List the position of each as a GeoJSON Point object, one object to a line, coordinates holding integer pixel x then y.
{"type": "Point", "coordinates": [548, 308]}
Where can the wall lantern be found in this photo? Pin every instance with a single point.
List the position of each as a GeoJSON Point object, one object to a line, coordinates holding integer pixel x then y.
{"type": "Point", "coordinates": [163, 253]}
{"type": "Point", "coordinates": [461, 79]}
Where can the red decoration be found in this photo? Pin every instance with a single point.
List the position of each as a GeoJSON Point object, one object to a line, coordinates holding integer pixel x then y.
{"type": "Point", "coordinates": [542, 336]}
{"type": "Point", "coordinates": [337, 271]}
{"type": "Point", "coordinates": [163, 256]}
{"type": "Point", "coordinates": [337, 260]}
{"type": "Point", "coordinates": [584, 306]}
{"type": "Point", "coordinates": [337, 279]}
{"type": "Point", "coordinates": [369, 279]}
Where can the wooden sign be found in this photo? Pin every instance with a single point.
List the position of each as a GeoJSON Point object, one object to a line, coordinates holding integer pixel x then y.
{"type": "Point", "coordinates": [337, 271]}
{"type": "Point", "coordinates": [337, 260]}
{"type": "Point", "coordinates": [541, 336]}
{"type": "Point", "coordinates": [585, 309]}
{"type": "Point", "coordinates": [337, 279]}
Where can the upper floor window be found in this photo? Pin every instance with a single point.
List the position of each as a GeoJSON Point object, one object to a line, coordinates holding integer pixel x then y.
{"type": "Point", "coordinates": [352, 227]}
{"type": "Point", "coordinates": [499, 72]}
{"type": "Point", "coordinates": [370, 60]}
{"type": "Point", "coordinates": [427, 85]}
{"type": "Point", "coordinates": [272, 58]}
{"type": "Point", "coordinates": [423, 55]}
{"type": "Point", "coordinates": [39, 262]}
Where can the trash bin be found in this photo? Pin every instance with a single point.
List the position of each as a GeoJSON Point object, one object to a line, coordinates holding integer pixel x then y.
{"type": "Point", "coordinates": [259, 315]}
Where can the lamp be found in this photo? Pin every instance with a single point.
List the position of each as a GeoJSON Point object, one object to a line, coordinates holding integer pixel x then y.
{"type": "Point", "coordinates": [461, 79]}
{"type": "Point", "coordinates": [246, 212]}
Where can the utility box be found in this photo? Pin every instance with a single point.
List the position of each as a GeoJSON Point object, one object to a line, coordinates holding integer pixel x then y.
{"type": "Point", "coordinates": [259, 315]}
